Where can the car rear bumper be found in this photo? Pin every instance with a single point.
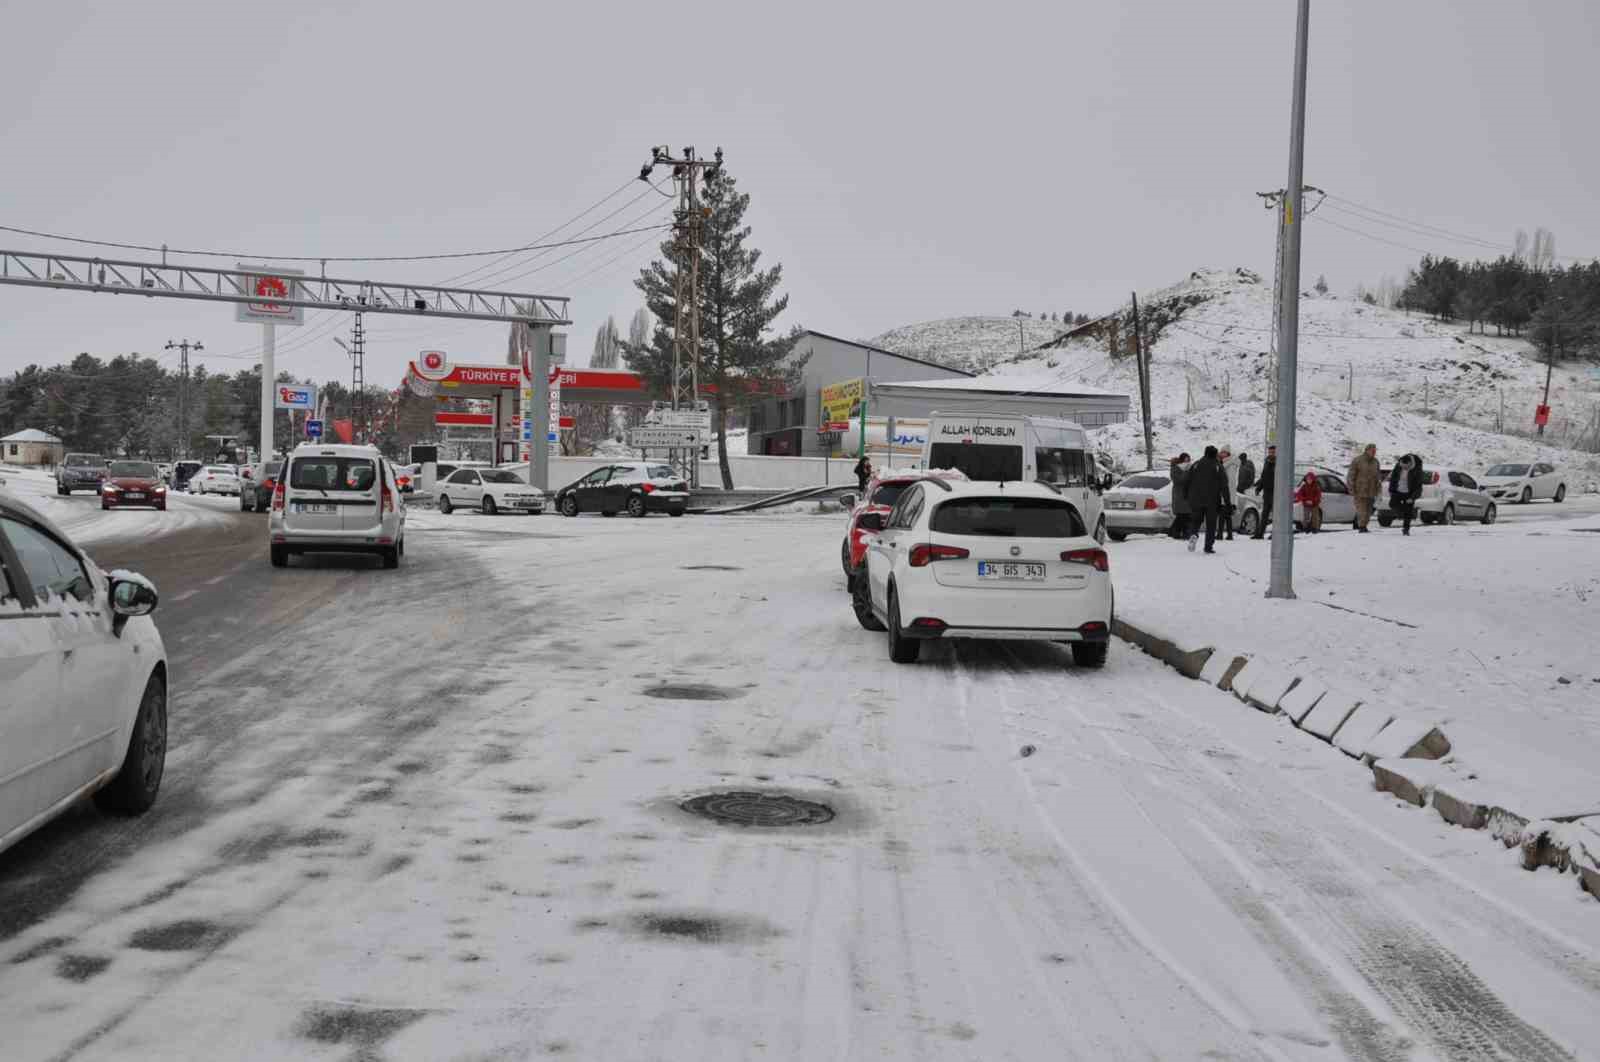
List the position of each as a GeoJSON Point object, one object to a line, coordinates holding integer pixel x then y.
{"type": "Point", "coordinates": [1137, 520]}
{"type": "Point", "coordinates": [1012, 634]}
{"type": "Point", "coordinates": [673, 503]}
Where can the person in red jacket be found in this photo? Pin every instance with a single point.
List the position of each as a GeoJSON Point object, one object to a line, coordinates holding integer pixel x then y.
{"type": "Point", "coordinates": [1309, 496]}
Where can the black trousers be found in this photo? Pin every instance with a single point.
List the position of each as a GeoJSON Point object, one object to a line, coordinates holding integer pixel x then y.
{"type": "Point", "coordinates": [1209, 516]}
{"type": "Point", "coordinates": [1227, 522]}
{"type": "Point", "coordinates": [1180, 526]}
{"type": "Point", "coordinates": [1405, 508]}
{"type": "Point", "coordinates": [1264, 515]}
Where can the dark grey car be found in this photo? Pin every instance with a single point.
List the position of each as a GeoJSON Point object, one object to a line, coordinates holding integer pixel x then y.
{"type": "Point", "coordinates": [80, 472]}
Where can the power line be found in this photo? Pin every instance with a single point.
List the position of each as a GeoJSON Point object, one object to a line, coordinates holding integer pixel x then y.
{"type": "Point", "coordinates": [1351, 208]}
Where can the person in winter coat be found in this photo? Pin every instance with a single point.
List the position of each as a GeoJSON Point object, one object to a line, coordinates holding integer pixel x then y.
{"type": "Point", "coordinates": [1309, 496]}
{"type": "Point", "coordinates": [1247, 473]}
{"type": "Point", "coordinates": [1230, 472]}
{"type": "Point", "coordinates": [1269, 473]}
{"type": "Point", "coordinates": [1366, 483]}
{"type": "Point", "coordinates": [1405, 487]}
{"type": "Point", "coordinates": [1179, 471]}
{"type": "Point", "coordinates": [863, 471]}
{"type": "Point", "coordinates": [1208, 492]}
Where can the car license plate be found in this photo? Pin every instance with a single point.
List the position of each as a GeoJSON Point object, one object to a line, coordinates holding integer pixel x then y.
{"type": "Point", "coordinates": [1009, 570]}
{"type": "Point", "coordinates": [315, 507]}
{"type": "Point", "coordinates": [133, 495]}
{"type": "Point", "coordinates": [528, 505]}
{"type": "Point", "coordinates": [1119, 505]}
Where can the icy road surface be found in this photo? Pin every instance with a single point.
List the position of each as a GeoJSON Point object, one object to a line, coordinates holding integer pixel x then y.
{"type": "Point", "coordinates": [433, 814]}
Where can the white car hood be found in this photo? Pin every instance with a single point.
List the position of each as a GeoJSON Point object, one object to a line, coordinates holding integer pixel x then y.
{"type": "Point", "coordinates": [1500, 481]}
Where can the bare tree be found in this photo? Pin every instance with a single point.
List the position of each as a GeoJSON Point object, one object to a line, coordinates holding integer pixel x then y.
{"type": "Point", "coordinates": [606, 346]}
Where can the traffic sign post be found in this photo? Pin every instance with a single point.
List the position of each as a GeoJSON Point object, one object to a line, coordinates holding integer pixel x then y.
{"type": "Point", "coordinates": [313, 429]}
{"type": "Point", "coordinates": [657, 437]}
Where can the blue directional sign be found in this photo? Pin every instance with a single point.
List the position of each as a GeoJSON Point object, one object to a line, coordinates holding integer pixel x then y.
{"type": "Point", "coordinates": [553, 436]}
{"type": "Point", "coordinates": [313, 429]}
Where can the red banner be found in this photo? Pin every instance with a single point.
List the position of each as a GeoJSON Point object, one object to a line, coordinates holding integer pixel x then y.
{"type": "Point", "coordinates": [473, 420]}
{"type": "Point", "coordinates": [1541, 416]}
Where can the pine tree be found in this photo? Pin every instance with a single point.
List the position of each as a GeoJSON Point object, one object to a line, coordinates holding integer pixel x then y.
{"type": "Point", "coordinates": [1322, 285]}
{"type": "Point", "coordinates": [738, 304]}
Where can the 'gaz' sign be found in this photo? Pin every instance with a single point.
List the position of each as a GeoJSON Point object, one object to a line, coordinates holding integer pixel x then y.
{"type": "Point", "coordinates": [295, 396]}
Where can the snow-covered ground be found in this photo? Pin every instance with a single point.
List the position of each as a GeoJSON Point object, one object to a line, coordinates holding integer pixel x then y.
{"type": "Point", "coordinates": [450, 830]}
{"type": "Point", "coordinates": [971, 343]}
{"type": "Point", "coordinates": [80, 516]}
{"type": "Point", "coordinates": [1488, 631]}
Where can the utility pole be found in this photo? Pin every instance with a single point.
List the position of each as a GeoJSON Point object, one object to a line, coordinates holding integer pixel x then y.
{"type": "Point", "coordinates": [358, 379]}
{"type": "Point", "coordinates": [183, 347]}
{"type": "Point", "coordinates": [1142, 366]}
{"type": "Point", "coordinates": [688, 220]}
{"type": "Point", "coordinates": [1281, 583]}
{"type": "Point", "coordinates": [1550, 364]}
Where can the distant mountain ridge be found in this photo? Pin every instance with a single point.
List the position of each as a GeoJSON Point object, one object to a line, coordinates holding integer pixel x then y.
{"type": "Point", "coordinates": [970, 343]}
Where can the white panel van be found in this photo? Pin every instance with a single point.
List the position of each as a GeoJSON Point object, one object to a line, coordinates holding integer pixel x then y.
{"type": "Point", "coordinates": [1012, 446]}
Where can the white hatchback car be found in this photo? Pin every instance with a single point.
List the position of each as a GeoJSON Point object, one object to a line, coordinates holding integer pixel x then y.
{"type": "Point", "coordinates": [1001, 561]}
{"type": "Point", "coordinates": [491, 490]}
{"type": "Point", "coordinates": [215, 479]}
{"type": "Point", "coordinates": [1522, 484]}
{"type": "Point", "coordinates": [83, 679]}
{"type": "Point", "coordinates": [337, 499]}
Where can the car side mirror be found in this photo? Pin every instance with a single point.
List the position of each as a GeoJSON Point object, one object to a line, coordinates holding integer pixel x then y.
{"type": "Point", "coordinates": [847, 500]}
{"type": "Point", "coordinates": [131, 595]}
{"type": "Point", "coordinates": [871, 521]}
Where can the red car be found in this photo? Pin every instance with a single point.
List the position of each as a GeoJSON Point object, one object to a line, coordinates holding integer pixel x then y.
{"type": "Point", "coordinates": [133, 483]}
{"type": "Point", "coordinates": [872, 509]}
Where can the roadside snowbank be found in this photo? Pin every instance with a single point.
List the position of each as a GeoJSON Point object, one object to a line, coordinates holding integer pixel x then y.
{"type": "Point", "coordinates": [1488, 631]}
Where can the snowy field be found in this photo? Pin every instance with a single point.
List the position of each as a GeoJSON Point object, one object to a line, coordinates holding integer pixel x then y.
{"type": "Point", "coordinates": [448, 827]}
{"type": "Point", "coordinates": [80, 516]}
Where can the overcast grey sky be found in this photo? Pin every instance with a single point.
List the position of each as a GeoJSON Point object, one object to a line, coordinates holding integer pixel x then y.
{"type": "Point", "coordinates": [905, 161]}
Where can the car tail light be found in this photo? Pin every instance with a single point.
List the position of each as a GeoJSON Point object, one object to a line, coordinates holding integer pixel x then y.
{"type": "Point", "coordinates": [923, 554]}
{"type": "Point", "coordinates": [1150, 503]}
{"type": "Point", "coordinates": [388, 498]}
{"type": "Point", "coordinates": [1097, 559]}
{"type": "Point", "coordinates": [277, 497]}
{"type": "Point", "coordinates": [929, 623]}
{"type": "Point", "coordinates": [1092, 627]}
{"type": "Point", "coordinates": [1432, 478]}
{"type": "Point", "coordinates": [647, 487]}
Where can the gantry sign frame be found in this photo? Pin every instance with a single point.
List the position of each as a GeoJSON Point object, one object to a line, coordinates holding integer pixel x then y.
{"type": "Point", "coordinates": [163, 280]}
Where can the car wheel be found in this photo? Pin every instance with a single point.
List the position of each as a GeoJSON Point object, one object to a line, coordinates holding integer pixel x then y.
{"type": "Point", "coordinates": [444, 505]}
{"type": "Point", "coordinates": [62, 490]}
{"type": "Point", "coordinates": [105, 507]}
{"type": "Point", "coordinates": [1117, 536]}
{"type": "Point", "coordinates": [134, 788]}
{"type": "Point", "coordinates": [1561, 493]}
{"type": "Point", "coordinates": [636, 507]}
{"type": "Point", "coordinates": [844, 558]}
{"type": "Point", "coordinates": [1427, 518]}
{"type": "Point", "coordinates": [1491, 514]}
{"type": "Point", "coordinates": [487, 506]}
{"type": "Point", "coordinates": [1449, 515]}
{"type": "Point", "coordinates": [674, 512]}
{"type": "Point", "coordinates": [1250, 522]}
{"type": "Point", "coordinates": [569, 506]}
{"type": "Point", "coordinates": [861, 603]}
{"type": "Point", "coordinates": [1090, 654]}
{"type": "Point", "coordinates": [1386, 521]}
{"type": "Point", "coordinates": [1527, 495]}
{"type": "Point", "coordinates": [391, 557]}
{"type": "Point", "coordinates": [280, 557]}
{"type": "Point", "coordinates": [902, 650]}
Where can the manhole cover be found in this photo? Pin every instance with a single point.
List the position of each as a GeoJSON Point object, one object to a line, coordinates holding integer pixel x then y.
{"type": "Point", "coordinates": [691, 692]}
{"type": "Point", "coordinates": [711, 568]}
{"type": "Point", "coordinates": [758, 809]}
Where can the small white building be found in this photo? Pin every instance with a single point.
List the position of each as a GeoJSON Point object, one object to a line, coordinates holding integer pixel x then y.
{"type": "Point", "coordinates": [32, 447]}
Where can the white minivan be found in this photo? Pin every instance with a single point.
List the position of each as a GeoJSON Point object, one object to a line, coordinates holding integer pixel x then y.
{"type": "Point", "coordinates": [337, 499]}
{"type": "Point", "coordinates": [1004, 447]}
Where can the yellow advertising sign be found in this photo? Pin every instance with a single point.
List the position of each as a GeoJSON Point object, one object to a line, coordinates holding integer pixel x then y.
{"type": "Point", "coordinates": [840, 402]}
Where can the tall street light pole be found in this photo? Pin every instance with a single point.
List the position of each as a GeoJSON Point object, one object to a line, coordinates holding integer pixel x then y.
{"type": "Point", "coordinates": [1281, 582]}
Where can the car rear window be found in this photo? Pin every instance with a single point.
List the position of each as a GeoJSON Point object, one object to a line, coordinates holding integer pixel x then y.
{"type": "Point", "coordinates": [134, 468]}
{"type": "Point", "coordinates": [1008, 518]}
{"type": "Point", "coordinates": [888, 493]}
{"type": "Point", "coordinates": [274, 468]}
{"type": "Point", "coordinates": [333, 473]}
{"type": "Point", "coordinates": [661, 472]}
{"type": "Point", "coordinates": [1145, 482]}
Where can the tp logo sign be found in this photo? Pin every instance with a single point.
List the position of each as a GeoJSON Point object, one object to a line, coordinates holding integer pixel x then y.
{"type": "Point", "coordinates": [270, 283]}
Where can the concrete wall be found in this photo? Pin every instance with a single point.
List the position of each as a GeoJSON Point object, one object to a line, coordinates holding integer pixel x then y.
{"type": "Point", "coordinates": [751, 471]}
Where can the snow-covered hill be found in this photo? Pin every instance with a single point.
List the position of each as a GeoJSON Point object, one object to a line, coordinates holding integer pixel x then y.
{"type": "Point", "coordinates": [970, 343]}
{"type": "Point", "coordinates": [1366, 373]}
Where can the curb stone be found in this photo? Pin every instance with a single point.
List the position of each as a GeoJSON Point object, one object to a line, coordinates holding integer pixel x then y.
{"type": "Point", "coordinates": [1404, 753]}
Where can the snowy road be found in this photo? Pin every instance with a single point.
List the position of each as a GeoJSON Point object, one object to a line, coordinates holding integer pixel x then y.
{"type": "Point", "coordinates": [434, 814]}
